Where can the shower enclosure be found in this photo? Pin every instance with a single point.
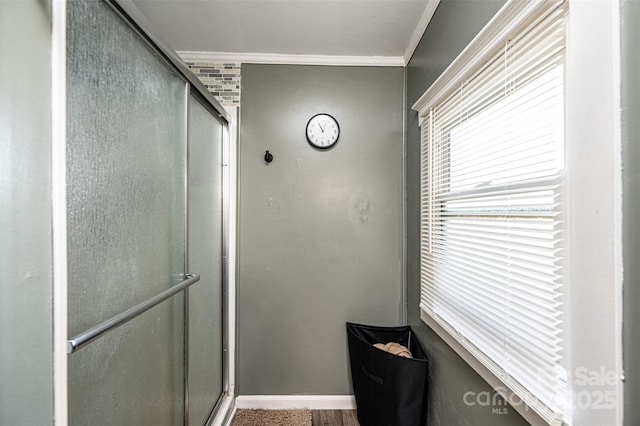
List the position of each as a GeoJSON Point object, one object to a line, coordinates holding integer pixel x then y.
{"type": "Point", "coordinates": [139, 190]}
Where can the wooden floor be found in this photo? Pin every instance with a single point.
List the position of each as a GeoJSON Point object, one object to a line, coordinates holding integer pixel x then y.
{"type": "Point", "coordinates": [334, 418]}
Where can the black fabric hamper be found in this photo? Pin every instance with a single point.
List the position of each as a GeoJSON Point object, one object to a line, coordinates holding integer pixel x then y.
{"type": "Point", "coordinates": [390, 390]}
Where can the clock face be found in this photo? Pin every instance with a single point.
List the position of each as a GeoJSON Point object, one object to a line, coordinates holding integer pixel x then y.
{"type": "Point", "coordinates": [323, 131]}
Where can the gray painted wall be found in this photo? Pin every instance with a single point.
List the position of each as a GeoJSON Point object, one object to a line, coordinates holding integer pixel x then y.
{"type": "Point", "coordinates": [453, 26]}
{"type": "Point", "coordinates": [320, 239]}
{"type": "Point", "coordinates": [26, 360]}
{"type": "Point", "coordinates": [630, 16]}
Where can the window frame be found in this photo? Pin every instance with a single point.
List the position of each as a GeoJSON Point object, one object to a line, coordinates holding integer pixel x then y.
{"type": "Point", "coordinates": [593, 157]}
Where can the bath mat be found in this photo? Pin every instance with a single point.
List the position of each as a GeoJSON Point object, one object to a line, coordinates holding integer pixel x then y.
{"type": "Point", "coordinates": [272, 418]}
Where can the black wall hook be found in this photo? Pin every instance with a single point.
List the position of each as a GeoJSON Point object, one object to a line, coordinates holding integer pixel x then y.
{"type": "Point", "coordinates": [268, 157]}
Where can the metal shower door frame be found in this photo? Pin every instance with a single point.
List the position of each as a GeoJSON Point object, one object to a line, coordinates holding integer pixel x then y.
{"type": "Point", "coordinates": [62, 345]}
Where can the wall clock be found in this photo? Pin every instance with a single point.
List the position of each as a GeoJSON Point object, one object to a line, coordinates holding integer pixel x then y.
{"type": "Point", "coordinates": [323, 131]}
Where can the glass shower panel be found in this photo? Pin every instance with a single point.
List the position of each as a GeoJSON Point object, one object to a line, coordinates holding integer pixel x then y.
{"type": "Point", "coordinates": [26, 361]}
{"type": "Point", "coordinates": [130, 375]}
{"type": "Point", "coordinates": [126, 160]}
{"type": "Point", "coordinates": [205, 378]}
{"type": "Point", "coordinates": [125, 156]}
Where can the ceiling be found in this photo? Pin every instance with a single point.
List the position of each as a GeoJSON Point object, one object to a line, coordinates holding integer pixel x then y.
{"type": "Point", "coordinates": [312, 28]}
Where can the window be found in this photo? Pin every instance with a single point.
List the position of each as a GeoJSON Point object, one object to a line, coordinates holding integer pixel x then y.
{"type": "Point", "coordinates": [492, 206]}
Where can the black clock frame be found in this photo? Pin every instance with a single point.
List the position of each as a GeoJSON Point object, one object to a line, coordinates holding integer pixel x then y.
{"type": "Point", "coordinates": [306, 132]}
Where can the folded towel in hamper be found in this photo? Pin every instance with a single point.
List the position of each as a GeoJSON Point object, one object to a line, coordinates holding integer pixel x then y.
{"type": "Point", "coordinates": [394, 348]}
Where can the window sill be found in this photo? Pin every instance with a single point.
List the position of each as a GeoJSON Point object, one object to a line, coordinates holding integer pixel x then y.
{"type": "Point", "coordinates": [527, 412]}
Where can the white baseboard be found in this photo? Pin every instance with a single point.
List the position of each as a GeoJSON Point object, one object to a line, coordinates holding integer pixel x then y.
{"type": "Point", "coordinates": [292, 402]}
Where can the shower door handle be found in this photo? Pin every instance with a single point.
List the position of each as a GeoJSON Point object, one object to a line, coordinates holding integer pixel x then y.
{"type": "Point", "coordinates": [96, 332]}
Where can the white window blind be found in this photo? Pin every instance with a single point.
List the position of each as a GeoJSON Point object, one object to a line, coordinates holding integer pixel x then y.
{"type": "Point", "coordinates": [492, 213]}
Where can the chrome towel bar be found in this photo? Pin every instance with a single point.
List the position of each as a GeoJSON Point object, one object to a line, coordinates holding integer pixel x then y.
{"type": "Point", "coordinates": [96, 332]}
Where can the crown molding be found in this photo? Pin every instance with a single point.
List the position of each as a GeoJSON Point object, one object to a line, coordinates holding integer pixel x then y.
{"type": "Point", "coordinates": [428, 13]}
{"type": "Point", "coordinates": [275, 58]}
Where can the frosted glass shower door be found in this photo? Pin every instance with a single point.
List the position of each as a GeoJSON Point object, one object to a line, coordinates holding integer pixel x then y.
{"type": "Point", "coordinates": [126, 175]}
{"type": "Point", "coordinates": [205, 378]}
